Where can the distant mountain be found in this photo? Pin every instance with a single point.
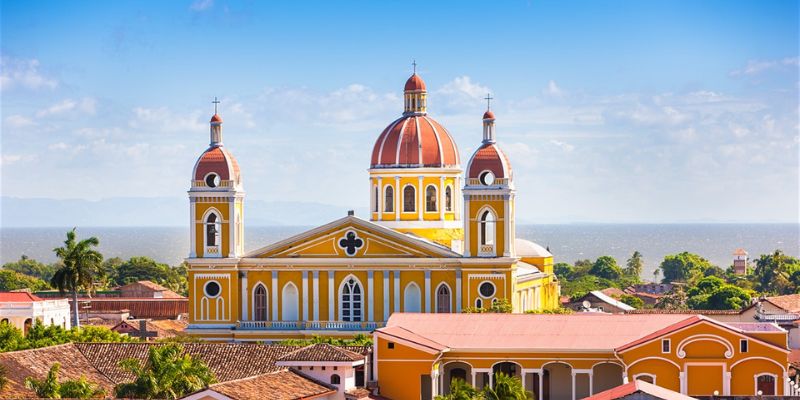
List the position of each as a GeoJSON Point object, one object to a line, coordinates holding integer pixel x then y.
{"type": "Point", "coordinates": [153, 211]}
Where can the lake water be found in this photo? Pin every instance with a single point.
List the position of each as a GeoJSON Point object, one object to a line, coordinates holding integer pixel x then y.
{"type": "Point", "coordinates": [568, 242]}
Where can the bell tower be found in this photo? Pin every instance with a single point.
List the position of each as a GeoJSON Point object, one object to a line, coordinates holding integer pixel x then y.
{"type": "Point", "coordinates": [489, 193]}
{"type": "Point", "coordinates": [216, 200]}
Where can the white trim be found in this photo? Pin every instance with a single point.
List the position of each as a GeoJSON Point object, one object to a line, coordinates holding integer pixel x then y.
{"type": "Point", "coordinates": [726, 384]}
{"type": "Point", "coordinates": [669, 345]}
{"type": "Point", "coordinates": [370, 296]}
{"type": "Point", "coordinates": [219, 222]}
{"type": "Point", "coordinates": [403, 200]}
{"type": "Point", "coordinates": [315, 285]}
{"type": "Point", "coordinates": [654, 358]}
{"type": "Point", "coordinates": [304, 303]}
{"type": "Point", "coordinates": [399, 141]}
{"type": "Point", "coordinates": [274, 288]}
{"type": "Point", "coordinates": [253, 301]}
{"type": "Point", "coordinates": [481, 294]}
{"type": "Point", "coordinates": [435, 198]}
{"type": "Point", "coordinates": [427, 291]}
{"type": "Point", "coordinates": [746, 343]}
{"type": "Point", "coordinates": [421, 200]}
{"type": "Point", "coordinates": [207, 393]}
{"type": "Point", "coordinates": [383, 142]}
{"type": "Point", "coordinates": [406, 294]}
{"type": "Point", "coordinates": [458, 291]}
{"type": "Point", "coordinates": [385, 197]}
{"type": "Point", "coordinates": [703, 337]}
{"type": "Point", "coordinates": [419, 140]}
{"type": "Point", "coordinates": [205, 291]}
{"type": "Point", "coordinates": [284, 303]}
{"type": "Point", "coordinates": [436, 296]}
{"type": "Point", "coordinates": [783, 367]}
{"type": "Point", "coordinates": [341, 302]}
{"type": "Point", "coordinates": [386, 310]}
{"type": "Point", "coordinates": [396, 275]}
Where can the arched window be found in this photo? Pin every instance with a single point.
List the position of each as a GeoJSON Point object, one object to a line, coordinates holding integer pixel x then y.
{"type": "Point", "coordinates": [443, 299]}
{"type": "Point", "coordinates": [458, 373]}
{"type": "Point", "coordinates": [290, 303]}
{"type": "Point", "coordinates": [4, 321]}
{"type": "Point", "coordinates": [487, 227]}
{"type": "Point", "coordinates": [766, 384]}
{"type": "Point", "coordinates": [478, 303]}
{"type": "Point", "coordinates": [412, 298]}
{"type": "Point", "coordinates": [27, 326]}
{"type": "Point", "coordinates": [212, 230]}
{"type": "Point", "coordinates": [350, 299]}
{"type": "Point", "coordinates": [335, 379]}
{"type": "Point", "coordinates": [260, 303]}
{"type": "Point", "coordinates": [376, 200]}
{"type": "Point", "coordinates": [448, 199]}
{"type": "Point", "coordinates": [388, 199]}
{"type": "Point", "coordinates": [409, 199]}
{"type": "Point", "coordinates": [649, 378]}
{"type": "Point", "coordinates": [430, 198]}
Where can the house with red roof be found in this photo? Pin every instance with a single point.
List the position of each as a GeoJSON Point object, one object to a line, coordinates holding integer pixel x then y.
{"type": "Point", "coordinates": [567, 357]}
{"type": "Point", "coordinates": [21, 309]}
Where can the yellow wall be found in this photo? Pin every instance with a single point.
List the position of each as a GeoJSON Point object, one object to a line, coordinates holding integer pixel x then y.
{"type": "Point", "coordinates": [400, 370]}
{"type": "Point", "coordinates": [498, 207]}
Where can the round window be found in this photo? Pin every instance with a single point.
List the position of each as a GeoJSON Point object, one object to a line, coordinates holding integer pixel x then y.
{"type": "Point", "coordinates": [486, 289]}
{"type": "Point", "coordinates": [212, 289]}
{"type": "Point", "coordinates": [212, 180]}
{"type": "Point", "coordinates": [487, 178]}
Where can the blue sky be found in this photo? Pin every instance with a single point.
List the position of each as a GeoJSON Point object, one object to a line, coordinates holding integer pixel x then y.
{"type": "Point", "coordinates": [610, 111]}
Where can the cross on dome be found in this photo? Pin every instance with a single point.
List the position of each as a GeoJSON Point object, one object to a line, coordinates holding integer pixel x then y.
{"type": "Point", "coordinates": [414, 63]}
{"type": "Point", "coordinates": [215, 104]}
{"type": "Point", "coordinates": [488, 99]}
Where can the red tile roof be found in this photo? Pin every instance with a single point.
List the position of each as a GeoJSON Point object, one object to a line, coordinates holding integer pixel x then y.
{"type": "Point", "coordinates": [322, 352]}
{"type": "Point", "coordinates": [489, 157]}
{"type": "Point", "coordinates": [281, 385]}
{"type": "Point", "coordinates": [18, 297]}
{"type": "Point", "coordinates": [215, 159]}
{"type": "Point", "coordinates": [488, 115]}
{"type": "Point", "coordinates": [414, 83]}
{"type": "Point", "coordinates": [414, 140]}
{"type": "Point", "coordinates": [140, 307]}
{"type": "Point", "coordinates": [789, 303]}
{"type": "Point", "coordinates": [638, 386]}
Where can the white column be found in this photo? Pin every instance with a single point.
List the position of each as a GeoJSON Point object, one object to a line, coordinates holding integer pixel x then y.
{"type": "Point", "coordinates": [421, 203]}
{"type": "Point", "coordinates": [381, 202]}
{"type": "Point", "coordinates": [573, 385]}
{"type": "Point", "coordinates": [683, 382]}
{"type": "Point", "coordinates": [386, 310]}
{"type": "Point", "coordinates": [315, 285]}
{"type": "Point", "coordinates": [541, 384]}
{"type": "Point", "coordinates": [466, 228]}
{"type": "Point", "coordinates": [370, 296]}
{"type": "Point", "coordinates": [304, 304]}
{"type": "Point", "coordinates": [331, 302]}
{"type": "Point", "coordinates": [524, 381]}
{"type": "Point", "coordinates": [243, 315]}
{"type": "Point", "coordinates": [231, 229]}
{"type": "Point", "coordinates": [472, 373]}
{"type": "Point", "coordinates": [441, 198]}
{"type": "Point", "coordinates": [591, 383]}
{"type": "Point", "coordinates": [427, 291]}
{"type": "Point", "coordinates": [397, 290]}
{"type": "Point", "coordinates": [726, 385]}
{"type": "Point", "coordinates": [458, 291]}
{"type": "Point", "coordinates": [624, 377]}
{"type": "Point", "coordinates": [397, 197]}
{"type": "Point", "coordinates": [507, 228]}
{"type": "Point", "coordinates": [192, 229]}
{"type": "Point", "coordinates": [275, 290]}
{"type": "Point", "coordinates": [491, 380]}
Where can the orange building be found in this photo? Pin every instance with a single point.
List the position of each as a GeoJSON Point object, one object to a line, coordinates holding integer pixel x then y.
{"type": "Point", "coordinates": [567, 357]}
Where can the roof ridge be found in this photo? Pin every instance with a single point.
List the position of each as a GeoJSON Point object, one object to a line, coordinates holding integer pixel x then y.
{"type": "Point", "coordinates": [85, 357]}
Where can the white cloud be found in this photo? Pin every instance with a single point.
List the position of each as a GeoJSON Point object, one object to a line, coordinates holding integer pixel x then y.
{"type": "Point", "coordinates": [562, 145]}
{"type": "Point", "coordinates": [15, 72]}
{"type": "Point", "coordinates": [86, 105]}
{"type": "Point", "coordinates": [19, 121]}
{"type": "Point", "coordinates": [162, 119]}
{"type": "Point", "coordinates": [463, 85]}
{"type": "Point", "coordinates": [553, 90]}
{"type": "Point", "coordinates": [756, 67]}
{"type": "Point", "coordinates": [8, 159]}
{"type": "Point", "coordinates": [201, 5]}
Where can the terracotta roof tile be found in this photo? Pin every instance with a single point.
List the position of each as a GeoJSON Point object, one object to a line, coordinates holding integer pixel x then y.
{"type": "Point", "coordinates": [322, 352]}
{"type": "Point", "coordinates": [683, 312]}
{"type": "Point", "coordinates": [638, 386]}
{"type": "Point", "coordinates": [140, 307]}
{"type": "Point", "coordinates": [279, 385]}
{"type": "Point", "coordinates": [789, 302]}
{"type": "Point", "coordinates": [18, 297]}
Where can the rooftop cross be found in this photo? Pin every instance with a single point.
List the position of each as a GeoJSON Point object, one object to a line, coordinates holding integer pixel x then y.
{"type": "Point", "coordinates": [414, 63]}
{"type": "Point", "coordinates": [215, 104]}
{"type": "Point", "coordinates": [488, 101]}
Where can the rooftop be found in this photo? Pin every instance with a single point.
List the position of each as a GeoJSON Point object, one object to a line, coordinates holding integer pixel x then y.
{"type": "Point", "coordinates": [638, 386]}
{"type": "Point", "coordinates": [18, 297]}
{"type": "Point", "coordinates": [280, 385]}
{"type": "Point", "coordinates": [322, 352]}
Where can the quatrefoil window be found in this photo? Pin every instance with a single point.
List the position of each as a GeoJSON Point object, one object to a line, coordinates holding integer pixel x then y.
{"type": "Point", "coordinates": [351, 243]}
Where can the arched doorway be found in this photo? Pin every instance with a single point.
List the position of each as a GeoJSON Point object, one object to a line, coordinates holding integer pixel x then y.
{"type": "Point", "coordinates": [507, 368]}
{"type": "Point", "coordinates": [27, 326]}
{"type": "Point", "coordinates": [558, 381]}
{"type": "Point", "coordinates": [290, 303]}
{"type": "Point", "coordinates": [456, 370]}
{"type": "Point", "coordinates": [606, 376]}
{"type": "Point", "coordinates": [412, 298]}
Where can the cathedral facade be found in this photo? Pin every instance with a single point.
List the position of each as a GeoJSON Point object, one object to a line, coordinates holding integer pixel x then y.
{"type": "Point", "coordinates": [439, 239]}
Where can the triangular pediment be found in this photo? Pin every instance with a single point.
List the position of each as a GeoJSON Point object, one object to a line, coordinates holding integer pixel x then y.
{"type": "Point", "coordinates": [352, 237]}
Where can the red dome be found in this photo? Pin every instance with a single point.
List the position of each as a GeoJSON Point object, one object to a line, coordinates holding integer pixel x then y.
{"type": "Point", "coordinates": [415, 83]}
{"type": "Point", "coordinates": [218, 160]}
{"type": "Point", "coordinates": [488, 115]}
{"type": "Point", "coordinates": [414, 141]}
{"type": "Point", "coordinates": [216, 118]}
{"type": "Point", "coordinates": [489, 157]}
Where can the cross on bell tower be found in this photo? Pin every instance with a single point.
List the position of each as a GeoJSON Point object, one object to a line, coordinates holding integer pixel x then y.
{"type": "Point", "coordinates": [215, 104]}
{"type": "Point", "coordinates": [414, 64]}
{"type": "Point", "coordinates": [488, 99]}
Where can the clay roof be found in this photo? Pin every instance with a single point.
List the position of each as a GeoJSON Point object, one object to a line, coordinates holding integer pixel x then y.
{"type": "Point", "coordinates": [789, 302]}
{"type": "Point", "coordinates": [216, 118]}
{"type": "Point", "coordinates": [740, 252]}
{"type": "Point", "coordinates": [140, 307]}
{"type": "Point", "coordinates": [414, 141]}
{"type": "Point", "coordinates": [683, 312]}
{"type": "Point", "coordinates": [612, 292]}
{"type": "Point", "coordinates": [322, 352]}
{"type": "Point", "coordinates": [18, 297]}
{"type": "Point", "coordinates": [166, 293]}
{"type": "Point", "coordinates": [414, 83]}
{"type": "Point", "coordinates": [489, 157]}
{"type": "Point", "coordinates": [216, 159]}
{"type": "Point", "coordinates": [280, 385]}
{"type": "Point", "coordinates": [638, 386]}
{"type": "Point", "coordinates": [582, 331]}
{"type": "Point", "coordinates": [488, 115]}
{"type": "Point", "coordinates": [164, 328]}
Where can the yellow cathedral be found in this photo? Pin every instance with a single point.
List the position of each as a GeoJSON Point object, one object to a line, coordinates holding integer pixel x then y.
{"type": "Point", "coordinates": [439, 239]}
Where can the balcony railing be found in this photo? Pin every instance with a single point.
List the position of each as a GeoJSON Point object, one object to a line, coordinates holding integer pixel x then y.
{"type": "Point", "coordinates": [310, 325]}
{"type": "Point", "coordinates": [486, 250]}
{"type": "Point", "coordinates": [222, 184]}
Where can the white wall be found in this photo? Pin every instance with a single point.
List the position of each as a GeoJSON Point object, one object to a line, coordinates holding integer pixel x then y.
{"type": "Point", "coordinates": [54, 312]}
{"type": "Point", "coordinates": [347, 375]}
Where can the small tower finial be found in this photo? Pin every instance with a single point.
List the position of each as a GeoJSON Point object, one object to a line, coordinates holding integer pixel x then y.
{"type": "Point", "coordinates": [488, 99]}
{"type": "Point", "coordinates": [414, 63]}
{"type": "Point", "coordinates": [215, 104]}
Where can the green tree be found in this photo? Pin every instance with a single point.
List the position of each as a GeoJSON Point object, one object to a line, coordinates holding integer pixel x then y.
{"type": "Point", "coordinates": [634, 265]}
{"type": "Point", "coordinates": [563, 270]}
{"type": "Point", "coordinates": [31, 267]}
{"type": "Point", "coordinates": [606, 267]}
{"type": "Point", "coordinates": [167, 374]}
{"type": "Point", "coordinates": [50, 388]}
{"type": "Point", "coordinates": [506, 388]}
{"type": "Point", "coordinates": [632, 300]}
{"type": "Point", "coordinates": [674, 300]}
{"type": "Point", "coordinates": [460, 390]}
{"type": "Point", "coordinates": [497, 306]}
{"type": "Point", "coordinates": [141, 269]}
{"type": "Point", "coordinates": [681, 267]}
{"type": "Point", "coordinates": [81, 265]}
{"type": "Point", "coordinates": [11, 338]}
{"type": "Point", "coordinates": [774, 273]}
{"type": "Point", "coordinates": [358, 340]}
{"type": "Point", "coordinates": [712, 293]}
{"type": "Point", "coordinates": [12, 280]}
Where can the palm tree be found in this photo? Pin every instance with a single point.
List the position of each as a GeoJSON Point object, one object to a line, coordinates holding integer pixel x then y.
{"type": "Point", "coordinates": [460, 390]}
{"type": "Point", "coordinates": [167, 374]}
{"type": "Point", "coordinates": [506, 387]}
{"type": "Point", "coordinates": [81, 264]}
{"type": "Point", "coordinates": [50, 388]}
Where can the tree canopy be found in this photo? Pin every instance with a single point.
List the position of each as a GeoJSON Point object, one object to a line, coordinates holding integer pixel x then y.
{"type": "Point", "coordinates": [169, 373]}
{"type": "Point", "coordinates": [712, 293]}
{"type": "Point", "coordinates": [40, 335]}
{"type": "Point", "coordinates": [51, 388]}
{"type": "Point", "coordinates": [680, 267]}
